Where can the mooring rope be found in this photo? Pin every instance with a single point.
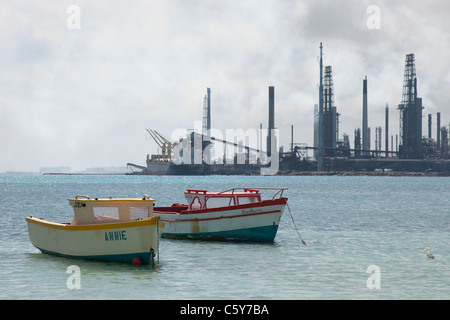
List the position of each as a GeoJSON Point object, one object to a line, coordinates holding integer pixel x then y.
{"type": "Point", "coordinates": [157, 239]}
{"type": "Point", "coordinates": [294, 224]}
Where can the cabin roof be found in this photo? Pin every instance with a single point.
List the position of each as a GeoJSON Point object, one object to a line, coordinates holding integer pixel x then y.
{"type": "Point", "coordinates": [245, 192]}
{"type": "Point", "coordinates": [110, 210]}
{"type": "Point", "coordinates": [112, 200]}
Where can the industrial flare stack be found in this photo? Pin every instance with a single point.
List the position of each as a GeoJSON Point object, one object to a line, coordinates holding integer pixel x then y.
{"type": "Point", "coordinates": [410, 114]}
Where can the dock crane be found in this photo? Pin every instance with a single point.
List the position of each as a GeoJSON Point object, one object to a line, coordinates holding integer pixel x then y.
{"type": "Point", "coordinates": [165, 145]}
{"type": "Point", "coordinates": [165, 156]}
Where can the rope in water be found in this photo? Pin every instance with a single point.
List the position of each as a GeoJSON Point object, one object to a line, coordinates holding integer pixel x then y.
{"type": "Point", "coordinates": [157, 237]}
{"type": "Point", "coordinates": [295, 225]}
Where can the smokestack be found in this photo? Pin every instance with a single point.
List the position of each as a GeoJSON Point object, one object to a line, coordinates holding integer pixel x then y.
{"type": "Point", "coordinates": [429, 125]}
{"type": "Point", "coordinates": [438, 138]}
{"type": "Point", "coordinates": [271, 119]}
{"type": "Point", "coordinates": [208, 116]}
{"type": "Point", "coordinates": [316, 129]}
{"type": "Point", "coordinates": [260, 138]}
{"type": "Point", "coordinates": [387, 130]}
{"type": "Point", "coordinates": [365, 127]}
{"type": "Point", "coordinates": [206, 126]}
{"type": "Point", "coordinates": [320, 129]}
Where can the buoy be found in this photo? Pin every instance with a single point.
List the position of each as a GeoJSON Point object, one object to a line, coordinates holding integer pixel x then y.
{"type": "Point", "coordinates": [137, 261]}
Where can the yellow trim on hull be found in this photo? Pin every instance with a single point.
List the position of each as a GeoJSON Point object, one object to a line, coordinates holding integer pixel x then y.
{"type": "Point", "coordinates": [99, 226]}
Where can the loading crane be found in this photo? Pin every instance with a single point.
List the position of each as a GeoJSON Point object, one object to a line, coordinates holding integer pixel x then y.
{"type": "Point", "coordinates": [165, 145]}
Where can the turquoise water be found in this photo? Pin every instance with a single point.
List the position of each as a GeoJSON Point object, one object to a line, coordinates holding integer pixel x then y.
{"type": "Point", "coordinates": [350, 224]}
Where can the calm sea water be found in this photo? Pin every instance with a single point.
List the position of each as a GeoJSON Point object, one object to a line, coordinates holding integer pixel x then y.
{"type": "Point", "coordinates": [352, 225]}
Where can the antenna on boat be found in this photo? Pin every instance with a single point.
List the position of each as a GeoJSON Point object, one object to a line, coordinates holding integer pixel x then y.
{"type": "Point", "coordinates": [303, 241]}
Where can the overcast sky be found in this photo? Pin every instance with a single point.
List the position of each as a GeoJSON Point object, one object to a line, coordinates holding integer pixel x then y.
{"type": "Point", "coordinates": [83, 97]}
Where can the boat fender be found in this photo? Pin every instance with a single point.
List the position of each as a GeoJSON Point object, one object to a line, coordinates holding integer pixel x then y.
{"type": "Point", "coordinates": [136, 261]}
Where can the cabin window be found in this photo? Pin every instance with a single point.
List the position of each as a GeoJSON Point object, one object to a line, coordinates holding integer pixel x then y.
{"type": "Point", "coordinates": [196, 205]}
{"type": "Point", "coordinates": [215, 202]}
{"type": "Point", "coordinates": [138, 213]}
{"type": "Point", "coordinates": [106, 214]}
{"type": "Point", "coordinates": [244, 200]}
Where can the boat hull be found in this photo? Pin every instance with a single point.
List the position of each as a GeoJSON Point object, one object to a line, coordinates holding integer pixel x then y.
{"type": "Point", "coordinates": [120, 242]}
{"type": "Point", "coordinates": [251, 222]}
{"type": "Point", "coordinates": [174, 169]}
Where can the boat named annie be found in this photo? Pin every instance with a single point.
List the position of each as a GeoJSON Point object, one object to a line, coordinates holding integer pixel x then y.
{"type": "Point", "coordinates": [122, 230]}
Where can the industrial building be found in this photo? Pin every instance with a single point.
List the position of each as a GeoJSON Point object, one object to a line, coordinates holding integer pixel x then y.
{"type": "Point", "coordinates": [411, 152]}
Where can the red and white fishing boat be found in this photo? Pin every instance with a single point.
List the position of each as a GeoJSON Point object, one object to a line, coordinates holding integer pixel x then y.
{"type": "Point", "coordinates": [237, 214]}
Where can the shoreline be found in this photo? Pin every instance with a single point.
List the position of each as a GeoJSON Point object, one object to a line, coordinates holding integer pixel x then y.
{"type": "Point", "coordinates": [304, 173]}
{"type": "Point", "coordinates": [279, 173]}
{"type": "Point", "coordinates": [364, 173]}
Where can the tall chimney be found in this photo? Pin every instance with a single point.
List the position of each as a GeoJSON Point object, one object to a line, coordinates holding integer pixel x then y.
{"type": "Point", "coordinates": [320, 128]}
{"type": "Point", "coordinates": [387, 130]}
{"type": "Point", "coordinates": [206, 126]}
{"type": "Point", "coordinates": [208, 121]}
{"type": "Point", "coordinates": [271, 119]}
{"type": "Point", "coordinates": [429, 125]}
{"type": "Point", "coordinates": [438, 138]}
{"type": "Point", "coordinates": [316, 129]}
{"type": "Point", "coordinates": [365, 126]}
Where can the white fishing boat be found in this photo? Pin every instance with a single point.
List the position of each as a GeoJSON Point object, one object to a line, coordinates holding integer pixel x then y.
{"type": "Point", "coordinates": [237, 214]}
{"type": "Point", "coordinates": [122, 230]}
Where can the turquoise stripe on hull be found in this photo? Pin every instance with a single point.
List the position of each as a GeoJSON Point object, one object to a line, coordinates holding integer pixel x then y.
{"type": "Point", "coordinates": [258, 234]}
{"type": "Point", "coordinates": [144, 256]}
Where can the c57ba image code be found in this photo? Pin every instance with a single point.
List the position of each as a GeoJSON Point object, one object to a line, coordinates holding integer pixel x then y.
{"type": "Point", "coordinates": [228, 309]}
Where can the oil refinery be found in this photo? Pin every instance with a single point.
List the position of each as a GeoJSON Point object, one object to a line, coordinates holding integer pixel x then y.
{"type": "Point", "coordinates": [408, 152]}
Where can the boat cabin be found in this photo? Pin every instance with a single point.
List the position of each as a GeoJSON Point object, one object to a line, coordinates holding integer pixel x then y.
{"type": "Point", "coordinates": [93, 211]}
{"type": "Point", "coordinates": [202, 199]}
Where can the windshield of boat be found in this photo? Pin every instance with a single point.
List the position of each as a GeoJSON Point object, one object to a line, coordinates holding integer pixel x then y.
{"type": "Point", "coordinates": [138, 213]}
{"type": "Point", "coordinates": [106, 213]}
{"type": "Point", "coordinates": [202, 199]}
{"type": "Point", "coordinates": [231, 200]}
{"type": "Point", "coordinates": [215, 202]}
{"type": "Point", "coordinates": [247, 199]}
